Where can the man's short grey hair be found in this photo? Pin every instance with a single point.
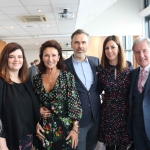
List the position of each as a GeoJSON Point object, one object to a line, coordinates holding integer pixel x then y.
{"type": "Point", "coordinates": [141, 39]}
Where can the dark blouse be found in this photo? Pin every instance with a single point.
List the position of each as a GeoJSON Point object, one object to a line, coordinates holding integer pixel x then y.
{"type": "Point", "coordinates": [19, 113]}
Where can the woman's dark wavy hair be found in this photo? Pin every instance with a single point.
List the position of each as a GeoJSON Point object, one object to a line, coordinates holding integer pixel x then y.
{"type": "Point", "coordinates": [122, 64]}
{"type": "Point", "coordinates": [51, 43]}
{"type": "Point", "coordinates": [4, 69]}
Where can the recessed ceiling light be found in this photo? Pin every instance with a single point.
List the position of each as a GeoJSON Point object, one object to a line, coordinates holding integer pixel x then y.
{"type": "Point", "coordinates": [48, 25]}
{"type": "Point", "coordinates": [37, 43]}
{"type": "Point", "coordinates": [11, 27]}
{"type": "Point", "coordinates": [39, 10]}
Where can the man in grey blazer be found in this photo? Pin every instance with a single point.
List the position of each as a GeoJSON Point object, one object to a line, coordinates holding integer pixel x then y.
{"type": "Point", "coordinates": [33, 70]}
{"type": "Point", "coordinates": [139, 98]}
{"type": "Point", "coordinates": [84, 70]}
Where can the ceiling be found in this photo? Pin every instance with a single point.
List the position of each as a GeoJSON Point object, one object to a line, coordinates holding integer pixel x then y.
{"type": "Point", "coordinates": [32, 35]}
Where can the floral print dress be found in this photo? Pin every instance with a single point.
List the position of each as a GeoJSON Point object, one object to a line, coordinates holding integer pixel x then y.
{"type": "Point", "coordinates": [64, 104]}
{"type": "Point", "coordinates": [113, 127]}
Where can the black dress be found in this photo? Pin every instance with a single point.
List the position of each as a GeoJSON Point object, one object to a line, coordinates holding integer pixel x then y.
{"type": "Point", "coordinates": [113, 126]}
{"type": "Point", "coordinates": [19, 113]}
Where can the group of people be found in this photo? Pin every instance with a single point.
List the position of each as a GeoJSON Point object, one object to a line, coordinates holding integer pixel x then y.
{"type": "Point", "coordinates": [61, 105]}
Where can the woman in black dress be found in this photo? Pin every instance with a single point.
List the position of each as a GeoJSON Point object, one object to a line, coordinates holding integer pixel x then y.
{"type": "Point", "coordinates": [19, 113]}
{"type": "Point", "coordinates": [114, 79]}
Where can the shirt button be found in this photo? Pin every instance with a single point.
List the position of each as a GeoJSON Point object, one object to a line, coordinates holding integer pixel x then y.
{"type": "Point", "coordinates": [89, 105]}
{"type": "Point", "coordinates": [89, 93]}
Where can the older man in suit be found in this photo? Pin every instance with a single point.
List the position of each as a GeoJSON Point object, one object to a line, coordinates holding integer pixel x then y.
{"type": "Point", "coordinates": [84, 70]}
{"type": "Point", "coordinates": [139, 100]}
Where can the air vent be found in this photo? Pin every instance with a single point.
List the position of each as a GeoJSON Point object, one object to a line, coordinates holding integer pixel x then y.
{"type": "Point", "coordinates": [33, 18]}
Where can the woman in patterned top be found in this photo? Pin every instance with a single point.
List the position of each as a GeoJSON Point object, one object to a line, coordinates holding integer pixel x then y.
{"type": "Point", "coordinates": [58, 100]}
{"type": "Point", "coordinates": [114, 79]}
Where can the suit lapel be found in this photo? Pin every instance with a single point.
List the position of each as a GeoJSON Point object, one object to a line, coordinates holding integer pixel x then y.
{"type": "Point", "coordinates": [147, 85]}
{"type": "Point", "coordinates": [71, 68]}
{"type": "Point", "coordinates": [93, 68]}
{"type": "Point", "coordinates": [133, 78]}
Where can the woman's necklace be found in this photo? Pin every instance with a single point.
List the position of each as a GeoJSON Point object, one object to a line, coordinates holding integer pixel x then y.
{"type": "Point", "coordinates": [51, 77]}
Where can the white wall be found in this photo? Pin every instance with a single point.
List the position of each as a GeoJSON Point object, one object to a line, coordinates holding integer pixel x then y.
{"type": "Point", "coordinates": [122, 18]}
{"type": "Point", "coordinates": [31, 55]}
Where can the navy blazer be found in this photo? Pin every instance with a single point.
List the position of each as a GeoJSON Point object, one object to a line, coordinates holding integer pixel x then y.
{"type": "Point", "coordinates": [90, 100]}
{"type": "Point", "coordinates": [146, 100]}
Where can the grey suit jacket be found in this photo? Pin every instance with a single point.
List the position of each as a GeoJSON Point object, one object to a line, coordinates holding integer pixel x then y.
{"type": "Point", "coordinates": [90, 100]}
{"type": "Point", "coordinates": [146, 100]}
{"type": "Point", "coordinates": [33, 71]}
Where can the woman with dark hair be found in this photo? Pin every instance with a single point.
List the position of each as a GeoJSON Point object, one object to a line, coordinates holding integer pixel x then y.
{"type": "Point", "coordinates": [58, 100]}
{"type": "Point", "coordinates": [19, 113]}
{"type": "Point", "coordinates": [114, 79]}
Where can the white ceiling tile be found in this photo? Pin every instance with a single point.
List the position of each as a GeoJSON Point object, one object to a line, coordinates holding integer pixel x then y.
{"type": "Point", "coordinates": [15, 26]}
{"type": "Point", "coordinates": [22, 34]}
{"type": "Point", "coordinates": [82, 9]}
{"type": "Point", "coordinates": [29, 25]}
{"type": "Point", "coordinates": [35, 2]}
{"type": "Point", "coordinates": [7, 3]}
{"type": "Point", "coordinates": [3, 23]}
{"type": "Point", "coordinates": [33, 30]}
{"type": "Point", "coordinates": [50, 29]}
{"type": "Point", "coordinates": [14, 10]}
{"type": "Point", "coordinates": [51, 32]}
{"type": "Point", "coordinates": [33, 9]}
{"type": "Point", "coordinates": [6, 33]}
{"type": "Point", "coordinates": [1, 13]}
{"type": "Point", "coordinates": [18, 31]}
{"type": "Point", "coordinates": [49, 21]}
{"type": "Point", "coordinates": [34, 33]}
{"type": "Point", "coordinates": [59, 8]}
{"type": "Point", "coordinates": [4, 18]}
{"type": "Point", "coordinates": [66, 31]}
{"type": "Point", "coordinates": [66, 21]}
{"type": "Point", "coordinates": [62, 2]}
{"type": "Point", "coordinates": [66, 24]}
{"type": "Point", "coordinates": [49, 16]}
{"type": "Point", "coordinates": [22, 42]}
{"type": "Point", "coordinates": [44, 25]}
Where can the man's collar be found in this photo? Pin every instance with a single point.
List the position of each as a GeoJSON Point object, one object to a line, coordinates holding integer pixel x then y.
{"type": "Point", "coordinates": [77, 62]}
{"type": "Point", "coordinates": [147, 68]}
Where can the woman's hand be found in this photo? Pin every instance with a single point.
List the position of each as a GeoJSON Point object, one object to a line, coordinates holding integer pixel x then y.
{"type": "Point", "coordinates": [45, 113]}
{"type": "Point", "coordinates": [73, 134]}
{"type": "Point", "coordinates": [39, 131]}
{"type": "Point", "coordinates": [3, 145]}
